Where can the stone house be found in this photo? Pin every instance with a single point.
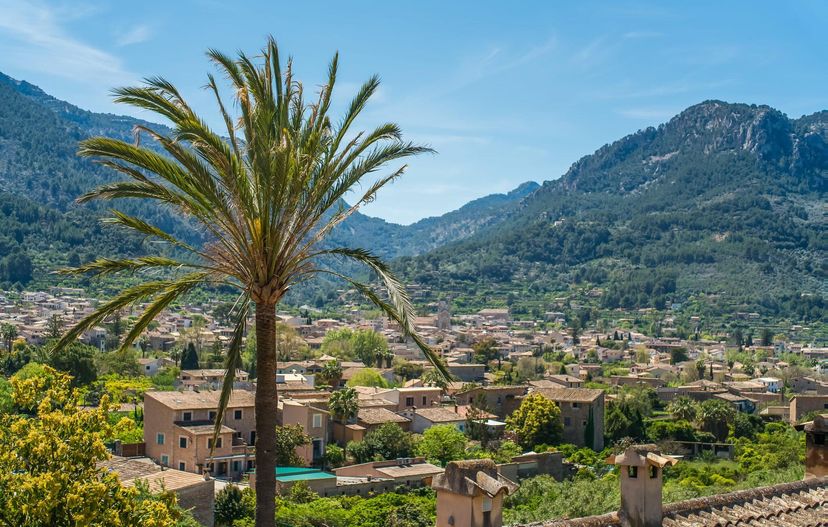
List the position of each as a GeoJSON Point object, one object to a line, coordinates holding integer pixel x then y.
{"type": "Point", "coordinates": [802, 405]}
{"type": "Point", "coordinates": [582, 414]}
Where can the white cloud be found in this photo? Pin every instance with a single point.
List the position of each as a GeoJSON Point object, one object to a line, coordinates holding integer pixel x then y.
{"type": "Point", "coordinates": [34, 40]}
{"type": "Point", "coordinates": [136, 35]}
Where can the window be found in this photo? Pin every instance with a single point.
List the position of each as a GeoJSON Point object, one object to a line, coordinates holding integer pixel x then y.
{"type": "Point", "coordinates": [252, 438]}
{"type": "Point", "coordinates": [211, 415]}
{"type": "Point", "coordinates": [653, 472]}
{"type": "Point", "coordinates": [574, 405]}
{"type": "Point", "coordinates": [236, 466]}
{"type": "Point", "coordinates": [188, 416]}
{"type": "Point", "coordinates": [409, 401]}
{"type": "Point", "coordinates": [159, 438]}
{"type": "Point", "coordinates": [567, 421]}
{"type": "Point", "coordinates": [182, 466]}
{"type": "Point", "coordinates": [632, 472]}
{"type": "Point", "coordinates": [317, 420]}
{"type": "Point", "coordinates": [210, 442]}
{"type": "Point", "coordinates": [182, 442]}
{"type": "Point", "coordinates": [425, 400]}
{"type": "Point", "coordinates": [146, 368]}
{"type": "Point", "coordinates": [237, 415]}
{"type": "Point", "coordinates": [165, 460]}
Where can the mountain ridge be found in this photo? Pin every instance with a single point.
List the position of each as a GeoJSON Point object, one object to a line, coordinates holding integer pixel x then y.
{"type": "Point", "coordinates": [723, 198]}
{"type": "Point", "coordinates": [39, 167]}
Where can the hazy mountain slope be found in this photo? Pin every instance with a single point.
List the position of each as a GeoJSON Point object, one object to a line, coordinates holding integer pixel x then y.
{"type": "Point", "coordinates": [725, 200]}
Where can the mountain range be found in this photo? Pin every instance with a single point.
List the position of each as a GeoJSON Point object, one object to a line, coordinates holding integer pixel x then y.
{"type": "Point", "coordinates": [723, 204]}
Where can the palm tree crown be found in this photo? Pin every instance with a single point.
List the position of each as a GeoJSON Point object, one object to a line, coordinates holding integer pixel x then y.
{"type": "Point", "coordinates": [266, 195]}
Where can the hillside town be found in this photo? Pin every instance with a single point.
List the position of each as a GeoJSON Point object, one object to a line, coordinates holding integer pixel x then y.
{"type": "Point", "coordinates": [338, 396]}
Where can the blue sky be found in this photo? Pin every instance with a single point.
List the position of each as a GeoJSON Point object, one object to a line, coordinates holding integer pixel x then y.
{"type": "Point", "coordinates": [505, 91]}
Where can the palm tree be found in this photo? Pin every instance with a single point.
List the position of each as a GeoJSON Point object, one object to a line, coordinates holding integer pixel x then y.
{"type": "Point", "coordinates": [432, 377]}
{"type": "Point", "coordinates": [344, 404]}
{"type": "Point", "coordinates": [8, 332]}
{"type": "Point", "coordinates": [266, 195]}
{"type": "Point", "coordinates": [715, 416]}
{"type": "Point", "coordinates": [330, 374]}
{"type": "Point", "coordinates": [683, 408]}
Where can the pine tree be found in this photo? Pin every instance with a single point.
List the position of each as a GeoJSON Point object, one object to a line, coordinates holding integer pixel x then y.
{"type": "Point", "coordinates": [189, 361]}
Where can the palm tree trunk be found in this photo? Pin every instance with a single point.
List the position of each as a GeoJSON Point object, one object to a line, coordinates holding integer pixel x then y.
{"type": "Point", "coordinates": [266, 408]}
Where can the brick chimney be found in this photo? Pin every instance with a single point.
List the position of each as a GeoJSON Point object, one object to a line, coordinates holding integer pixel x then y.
{"type": "Point", "coordinates": [641, 473]}
{"type": "Point", "coordinates": [470, 494]}
{"type": "Point", "coordinates": [816, 451]}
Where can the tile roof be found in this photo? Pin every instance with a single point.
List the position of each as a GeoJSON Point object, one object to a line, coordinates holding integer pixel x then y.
{"type": "Point", "coordinates": [439, 415]}
{"type": "Point", "coordinates": [578, 395]}
{"type": "Point", "coordinates": [130, 470]}
{"type": "Point", "coordinates": [378, 416]}
{"type": "Point", "coordinates": [202, 400]}
{"type": "Point", "coordinates": [798, 504]}
{"type": "Point", "coordinates": [416, 469]}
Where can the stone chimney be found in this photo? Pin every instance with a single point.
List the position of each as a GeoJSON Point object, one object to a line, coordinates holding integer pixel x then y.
{"type": "Point", "coordinates": [470, 494]}
{"type": "Point", "coordinates": [816, 451]}
{"type": "Point", "coordinates": [641, 473]}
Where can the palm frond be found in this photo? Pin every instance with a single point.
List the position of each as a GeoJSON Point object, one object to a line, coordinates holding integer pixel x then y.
{"type": "Point", "coordinates": [122, 300]}
{"type": "Point", "coordinates": [105, 266]}
{"type": "Point", "coordinates": [399, 309]}
{"type": "Point", "coordinates": [169, 295]}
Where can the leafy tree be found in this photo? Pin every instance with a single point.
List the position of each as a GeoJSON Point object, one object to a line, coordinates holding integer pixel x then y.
{"type": "Point", "coordinates": [265, 201]}
{"type": "Point", "coordinates": [678, 355]}
{"type": "Point", "coordinates": [408, 370]}
{"type": "Point", "coordinates": [485, 351]}
{"type": "Point", "coordinates": [300, 492]}
{"type": "Point", "coordinates": [78, 361]}
{"type": "Point", "coordinates": [441, 444]}
{"type": "Point", "coordinates": [367, 377]}
{"type": "Point", "coordinates": [120, 362]}
{"type": "Point", "coordinates": [6, 399]}
{"type": "Point", "coordinates": [334, 455]}
{"type": "Point", "coordinates": [344, 404]}
{"type": "Point", "coordinates": [229, 506]}
{"type": "Point", "coordinates": [288, 439]}
{"type": "Point", "coordinates": [362, 344]}
{"type": "Point", "coordinates": [678, 430]}
{"type": "Point", "coordinates": [747, 425]}
{"type": "Point", "coordinates": [536, 421]}
{"type": "Point", "coordinates": [389, 441]}
{"type": "Point", "coordinates": [49, 473]}
{"type": "Point", "coordinates": [715, 416]}
{"type": "Point", "coordinates": [189, 360]}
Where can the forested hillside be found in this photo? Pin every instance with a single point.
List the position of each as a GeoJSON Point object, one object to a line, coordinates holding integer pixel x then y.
{"type": "Point", "coordinates": [726, 202]}
{"type": "Point", "coordinates": [41, 227]}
